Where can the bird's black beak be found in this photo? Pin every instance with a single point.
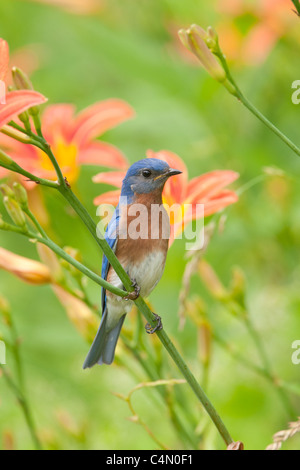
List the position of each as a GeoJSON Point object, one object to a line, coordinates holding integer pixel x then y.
{"type": "Point", "coordinates": [170, 172]}
{"type": "Point", "coordinates": [173, 172]}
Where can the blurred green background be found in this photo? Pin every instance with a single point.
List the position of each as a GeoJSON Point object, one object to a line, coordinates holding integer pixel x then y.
{"type": "Point", "coordinates": [129, 50]}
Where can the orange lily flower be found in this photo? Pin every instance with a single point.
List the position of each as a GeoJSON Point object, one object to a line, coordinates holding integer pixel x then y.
{"type": "Point", "coordinates": [72, 139]}
{"type": "Point", "coordinates": [207, 189]}
{"type": "Point", "coordinates": [15, 101]}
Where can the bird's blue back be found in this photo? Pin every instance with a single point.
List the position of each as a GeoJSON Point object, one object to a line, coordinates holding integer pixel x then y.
{"type": "Point", "coordinates": [111, 238]}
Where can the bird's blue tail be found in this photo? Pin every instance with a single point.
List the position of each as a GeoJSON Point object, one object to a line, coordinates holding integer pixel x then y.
{"type": "Point", "coordinates": [103, 348]}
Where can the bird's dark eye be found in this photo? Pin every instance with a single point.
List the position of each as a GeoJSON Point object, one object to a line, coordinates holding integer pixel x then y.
{"type": "Point", "coordinates": [146, 173]}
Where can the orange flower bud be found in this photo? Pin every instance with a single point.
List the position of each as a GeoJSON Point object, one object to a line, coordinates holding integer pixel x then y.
{"type": "Point", "coordinates": [26, 269]}
{"type": "Point", "coordinates": [194, 38]}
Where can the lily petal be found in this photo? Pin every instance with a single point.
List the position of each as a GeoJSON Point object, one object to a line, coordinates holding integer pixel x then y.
{"type": "Point", "coordinates": [211, 206]}
{"type": "Point", "coordinates": [17, 102]}
{"type": "Point", "coordinates": [57, 120]}
{"type": "Point", "coordinates": [4, 59]}
{"type": "Point", "coordinates": [110, 197]}
{"type": "Point", "coordinates": [224, 198]}
{"type": "Point", "coordinates": [102, 154]}
{"type": "Point", "coordinates": [204, 187]}
{"type": "Point", "coordinates": [26, 269]}
{"type": "Point", "coordinates": [115, 178]}
{"type": "Point", "coordinates": [98, 118]}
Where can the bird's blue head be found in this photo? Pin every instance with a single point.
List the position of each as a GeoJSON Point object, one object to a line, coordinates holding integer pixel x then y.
{"type": "Point", "coordinates": [146, 175]}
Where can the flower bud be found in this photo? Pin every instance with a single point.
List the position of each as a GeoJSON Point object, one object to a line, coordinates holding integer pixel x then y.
{"type": "Point", "coordinates": [20, 194]}
{"type": "Point", "coordinates": [15, 134]}
{"type": "Point", "coordinates": [26, 269]}
{"type": "Point", "coordinates": [22, 82]}
{"type": "Point", "coordinates": [15, 211]}
{"type": "Point", "coordinates": [5, 159]}
{"type": "Point", "coordinates": [20, 79]}
{"type": "Point", "coordinates": [195, 39]}
{"type": "Point", "coordinates": [212, 39]}
{"type": "Point", "coordinates": [7, 191]}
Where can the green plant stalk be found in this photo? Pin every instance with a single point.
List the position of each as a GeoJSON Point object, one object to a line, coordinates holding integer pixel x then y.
{"type": "Point", "coordinates": [60, 252]}
{"type": "Point", "coordinates": [240, 96]}
{"type": "Point", "coordinates": [36, 223]}
{"type": "Point", "coordinates": [16, 352]}
{"type": "Point", "coordinates": [297, 6]}
{"type": "Point", "coordinates": [17, 169]}
{"type": "Point", "coordinates": [25, 407]}
{"type": "Point", "coordinates": [268, 123]}
{"type": "Point", "coordinates": [81, 267]}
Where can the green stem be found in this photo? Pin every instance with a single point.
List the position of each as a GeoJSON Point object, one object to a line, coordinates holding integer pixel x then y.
{"type": "Point", "coordinates": [35, 137]}
{"type": "Point", "coordinates": [14, 167]}
{"type": "Point", "coordinates": [16, 352]}
{"type": "Point", "coordinates": [81, 267]}
{"type": "Point", "coordinates": [60, 252]}
{"type": "Point", "coordinates": [35, 222]}
{"type": "Point", "coordinates": [240, 96]}
{"type": "Point", "coordinates": [47, 149]}
{"type": "Point", "coordinates": [68, 194]}
{"type": "Point", "coordinates": [268, 123]}
{"type": "Point", "coordinates": [25, 407]}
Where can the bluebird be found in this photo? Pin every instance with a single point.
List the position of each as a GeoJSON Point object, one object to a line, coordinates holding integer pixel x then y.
{"type": "Point", "coordinates": [139, 237]}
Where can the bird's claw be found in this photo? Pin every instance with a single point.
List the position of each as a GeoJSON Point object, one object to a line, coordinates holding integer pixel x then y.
{"type": "Point", "coordinates": [135, 293]}
{"type": "Point", "coordinates": [152, 329]}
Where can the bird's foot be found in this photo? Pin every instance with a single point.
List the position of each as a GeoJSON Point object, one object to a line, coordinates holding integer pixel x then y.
{"type": "Point", "coordinates": [152, 329]}
{"type": "Point", "coordinates": [135, 293]}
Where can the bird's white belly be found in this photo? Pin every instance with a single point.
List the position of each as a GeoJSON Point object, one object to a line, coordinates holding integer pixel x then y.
{"type": "Point", "coordinates": [146, 274]}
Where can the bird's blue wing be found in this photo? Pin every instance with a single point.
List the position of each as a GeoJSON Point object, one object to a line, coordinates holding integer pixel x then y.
{"type": "Point", "coordinates": [111, 236]}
